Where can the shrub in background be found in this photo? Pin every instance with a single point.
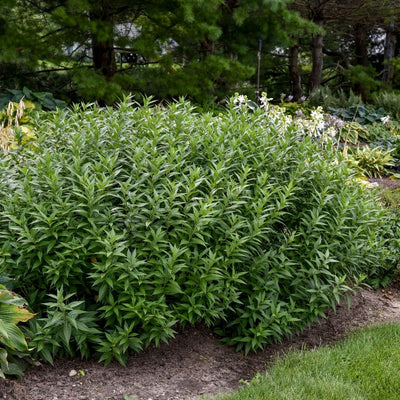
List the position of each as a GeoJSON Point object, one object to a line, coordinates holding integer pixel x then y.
{"type": "Point", "coordinates": [41, 100]}
{"type": "Point", "coordinates": [326, 97]}
{"type": "Point", "coordinates": [363, 79]}
{"type": "Point", "coordinates": [155, 218]}
{"type": "Point", "coordinates": [389, 101]}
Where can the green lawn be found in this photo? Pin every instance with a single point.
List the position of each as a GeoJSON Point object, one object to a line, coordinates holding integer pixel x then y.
{"type": "Point", "coordinates": [364, 366]}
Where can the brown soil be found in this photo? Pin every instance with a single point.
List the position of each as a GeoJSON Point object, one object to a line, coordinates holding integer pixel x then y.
{"type": "Point", "coordinates": [387, 183]}
{"type": "Point", "coordinates": [194, 363]}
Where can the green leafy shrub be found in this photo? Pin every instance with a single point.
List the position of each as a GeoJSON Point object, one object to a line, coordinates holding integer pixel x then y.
{"type": "Point", "coordinates": [156, 218]}
{"type": "Point", "coordinates": [391, 200]}
{"type": "Point", "coordinates": [41, 100]}
{"type": "Point", "coordinates": [361, 113]}
{"type": "Point", "coordinates": [65, 329]}
{"type": "Point", "coordinates": [390, 102]}
{"type": "Point", "coordinates": [363, 79]}
{"type": "Point", "coordinates": [372, 162]}
{"type": "Point", "coordinates": [13, 346]}
{"type": "Point", "coordinates": [325, 97]}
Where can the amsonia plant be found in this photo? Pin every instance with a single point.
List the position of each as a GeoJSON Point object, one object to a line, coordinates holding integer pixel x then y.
{"type": "Point", "coordinates": [153, 218]}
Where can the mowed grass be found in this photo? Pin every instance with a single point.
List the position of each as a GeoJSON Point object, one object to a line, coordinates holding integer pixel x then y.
{"type": "Point", "coordinates": [364, 366]}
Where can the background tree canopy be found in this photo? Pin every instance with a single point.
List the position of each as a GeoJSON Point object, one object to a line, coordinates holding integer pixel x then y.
{"type": "Point", "coordinates": [205, 50]}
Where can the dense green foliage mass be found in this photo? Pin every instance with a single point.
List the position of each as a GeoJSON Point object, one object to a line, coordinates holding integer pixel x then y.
{"type": "Point", "coordinates": [138, 220]}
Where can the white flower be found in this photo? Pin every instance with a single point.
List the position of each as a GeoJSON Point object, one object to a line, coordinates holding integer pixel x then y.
{"type": "Point", "coordinates": [299, 113]}
{"type": "Point", "coordinates": [240, 99]}
{"type": "Point", "coordinates": [385, 120]}
{"type": "Point", "coordinates": [303, 98]}
{"type": "Point", "coordinates": [264, 100]}
{"type": "Point", "coordinates": [331, 132]}
{"type": "Point", "coordinates": [290, 98]}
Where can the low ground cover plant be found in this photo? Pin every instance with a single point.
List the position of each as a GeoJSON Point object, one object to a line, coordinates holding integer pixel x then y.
{"type": "Point", "coordinates": [123, 224]}
{"type": "Point", "coordinates": [372, 162]}
{"type": "Point", "coordinates": [360, 113]}
{"type": "Point", "coordinates": [41, 100]}
{"type": "Point", "coordinates": [362, 367]}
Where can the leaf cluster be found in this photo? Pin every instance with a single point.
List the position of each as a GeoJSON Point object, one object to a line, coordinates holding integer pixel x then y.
{"type": "Point", "coordinates": [39, 100]}
{"type": "Point", "coordinates": [372, 162]}
{"type": "Point", "coordinates": [154, 218]}
{"type": "Point", "coordinates": [13, 346]}
{"type": "Point", "coordinates": [361, 113]}
{"type": "Point", "coordinates": [390, 102]}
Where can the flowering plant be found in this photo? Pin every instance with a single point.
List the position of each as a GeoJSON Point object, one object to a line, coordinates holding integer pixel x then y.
{"type": "Point", "coordinates": [317, 125]}
{"type": "Point", "coordinates": [14, 126]}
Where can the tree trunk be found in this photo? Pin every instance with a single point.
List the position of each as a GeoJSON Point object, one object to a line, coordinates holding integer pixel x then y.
{"type": "Point", "coordinates": [390, 47]}
{"type": "Point", "coordinates": [103, 42]}
{"type": "Point", "coordinates": [294, 75]}
{"type": "Point", "coordinates": [207, 48]}
{"type": "Point", "coordinates": [361, 43]}
{"type": "Point", "coordinates": [317, 59]}
{"type": "Point", "coordinates": [103, 57]}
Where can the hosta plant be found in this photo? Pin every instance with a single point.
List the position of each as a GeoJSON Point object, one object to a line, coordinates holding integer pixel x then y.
{"type": "Point", "coordinates": [13, 345]}
{"type": "Point", "coordinates": [353, 132]}
{"type": "Point", "coordinates": [372, 162]}
{"type": "Point", "coordinates": [40, 100]}
{"type": "Point", "coordinates": [154, 218]}
{"type": "Point", "coordinates": [360, 113]}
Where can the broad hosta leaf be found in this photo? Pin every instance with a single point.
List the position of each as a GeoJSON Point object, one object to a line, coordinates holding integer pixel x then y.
{"type": "Point", "coordinates": [12, 336]}
{"type": "Point", "coordinates": [3, 359]}
{"type": "Point", "coordinates": [10, 313]}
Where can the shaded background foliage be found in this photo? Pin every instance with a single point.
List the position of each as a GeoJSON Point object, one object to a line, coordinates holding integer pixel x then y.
{"type": "Point", "coordinates": [98, 50]}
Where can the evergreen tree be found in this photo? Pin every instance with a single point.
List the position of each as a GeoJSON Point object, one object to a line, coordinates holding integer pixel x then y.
{"type": "Point", "coordinates": [196, 48]}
